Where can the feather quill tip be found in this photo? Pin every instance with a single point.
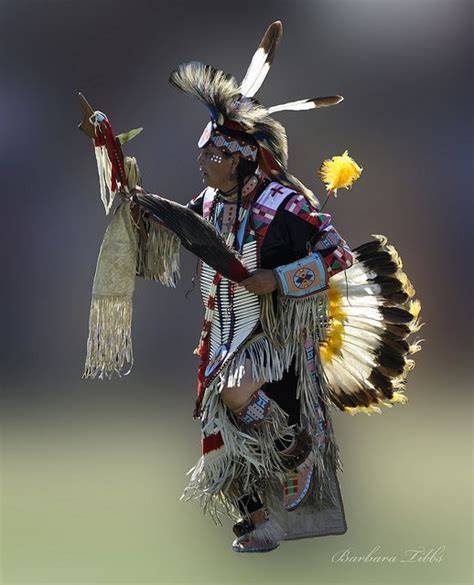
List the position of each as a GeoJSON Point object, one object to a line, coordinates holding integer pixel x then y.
{"type": "Point", "coordinates": [340, 172]}
{"type": "Point", "coordinates": [398, 397]}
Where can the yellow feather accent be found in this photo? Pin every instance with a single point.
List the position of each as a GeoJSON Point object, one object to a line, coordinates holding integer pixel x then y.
{"type": "Point", "coordinates": [335, 310]}
{"type": "Point", "coordinates": [382, 239]}
{"type": "Point", "coordinates": [415, 346]}
{"type": "Point", "coordinates": [337, 314]}
{"type": "Point", "coordinates": [365, 409]}
{"type": "Point", "coordinates": [335, 333]}
{"type": "Point", "coordinates": [395, 255]}
{"type": "Point", "coordinates": [409, 366]}
{"type": "Point", "coordinates": [398, 397]}
{"type": "Point", "coordinates": [398, 382]}
{"type": "Point", "coordinates": [407, 286]}
{"type": "Point", "coordinates": [339, 172]}
{"type": "Point", "coordinates": [333, 343]}
{"type": "Point", "coordinates": [415, 308]}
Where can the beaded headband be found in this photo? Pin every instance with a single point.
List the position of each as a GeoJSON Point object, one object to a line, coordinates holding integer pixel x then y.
{"type": "Point", "coordinates": [226, 143]}
{"type": "Point", "coordinates": [233, 106]}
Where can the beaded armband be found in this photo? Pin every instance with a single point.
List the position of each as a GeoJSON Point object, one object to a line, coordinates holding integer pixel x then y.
{"type": "Point", "coordinates": [256, 410]}
{"type": "Point", "coordinates": [303, 277]}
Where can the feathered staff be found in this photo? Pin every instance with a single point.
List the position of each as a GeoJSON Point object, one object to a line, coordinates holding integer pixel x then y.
{"type": "Point", "coordinates": [196, 235]}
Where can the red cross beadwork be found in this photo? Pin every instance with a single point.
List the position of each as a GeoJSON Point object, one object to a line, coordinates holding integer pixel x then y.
{"type": "Point", "coordinates": [275, 190]}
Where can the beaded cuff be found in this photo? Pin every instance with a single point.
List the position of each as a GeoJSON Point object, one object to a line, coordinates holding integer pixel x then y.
{"type": "Point", "coordinates": [303, 277]}
{"type": "Point", "coordinates": [256, 410]}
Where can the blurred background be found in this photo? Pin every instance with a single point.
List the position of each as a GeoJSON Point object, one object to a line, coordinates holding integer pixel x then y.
{"type": "Point", "coordinates": [91, 471]}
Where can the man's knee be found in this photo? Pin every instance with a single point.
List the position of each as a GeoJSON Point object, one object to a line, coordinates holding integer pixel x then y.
{"type": "Point", "coordinates": [237, 397]}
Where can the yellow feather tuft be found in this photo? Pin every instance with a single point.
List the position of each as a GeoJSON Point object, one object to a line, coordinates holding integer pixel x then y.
{"type": "Point", "coordinates": [398, 397]}
{"type": "Point", "coordinates": [382, 239]}
{"type": "Point", "coordinates": [415, 308]}
{"type": "Point", "coordinates": [339, 172]}
{"type": "Point", "coordinates": [334, 340]}
{"type": "Point", "coordinates": [415, 346]}
{"type": "Point", "coordinates": [335, 304]}
{"type": "Point", "coordinates": [407, 286]}
{"type": "Point", "coordinates": [365, 409]}
{"type": "Point", "coordinates": [395, 256]}
{"type": "Point", "coordinates": [399, 382]}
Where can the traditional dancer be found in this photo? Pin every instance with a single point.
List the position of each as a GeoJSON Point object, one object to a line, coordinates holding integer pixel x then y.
{"type": "Point", "coordinates": [294, 320]}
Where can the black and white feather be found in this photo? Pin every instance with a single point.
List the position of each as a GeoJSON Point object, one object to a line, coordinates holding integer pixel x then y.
{"type": "Point", "coordinates": [373, 313]}
{"type": "Point", "coordinates": [219, 91]}
{"type": "Point", "coordinates": [227, 100]}
{"type": "Point", "coordinates": [261, 60]}
{"type": "Point", "coordinates": [307, 104]}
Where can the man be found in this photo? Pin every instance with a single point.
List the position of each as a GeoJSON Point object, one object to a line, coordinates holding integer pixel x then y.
{"type": "Point", "coordinates": [311, 324]}
{"type": "Point", "coordinates": [251, 385]}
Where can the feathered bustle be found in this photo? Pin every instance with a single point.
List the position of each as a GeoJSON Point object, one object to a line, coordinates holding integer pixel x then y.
{"type": "Point", "coordinates": [372, 313]}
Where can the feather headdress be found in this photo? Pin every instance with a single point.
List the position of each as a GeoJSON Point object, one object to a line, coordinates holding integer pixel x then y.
{"type": "Point", "coordinates": [245, 123]}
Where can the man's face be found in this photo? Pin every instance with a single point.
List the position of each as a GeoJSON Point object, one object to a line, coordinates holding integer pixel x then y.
{"type": "Point", "coordinates": [217, 167]}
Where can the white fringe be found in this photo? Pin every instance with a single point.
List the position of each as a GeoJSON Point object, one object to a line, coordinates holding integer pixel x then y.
{"type": "Point", "coordinates": [104, 168]}
{"type": "Point", "coordinates": [159, 256]}
{"type": "Point", "coordinates": [249, 460]}
{"type": "Point", "coordinates": [109, 345]}
{"type": "Point", "coordinates": [122, 255]}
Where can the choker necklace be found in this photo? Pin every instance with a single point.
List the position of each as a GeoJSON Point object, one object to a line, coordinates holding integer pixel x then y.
{"type": "Point", "coordinates": [231, 195]}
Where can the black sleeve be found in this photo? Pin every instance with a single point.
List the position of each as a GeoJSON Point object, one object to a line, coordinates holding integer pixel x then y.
{"type": "Point", "coordinates": [286, 239]}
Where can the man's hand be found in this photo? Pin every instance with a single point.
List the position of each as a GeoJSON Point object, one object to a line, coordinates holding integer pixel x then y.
{"type": "Point", "coordinates": [261, 282]}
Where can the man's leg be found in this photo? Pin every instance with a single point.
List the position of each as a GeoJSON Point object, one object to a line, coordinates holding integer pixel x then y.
{"type": "Point", "coordinates": [251, 405]}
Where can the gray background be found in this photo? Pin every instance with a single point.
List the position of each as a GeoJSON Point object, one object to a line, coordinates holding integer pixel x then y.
{"type": "Point", "coordinates": [92, 471]}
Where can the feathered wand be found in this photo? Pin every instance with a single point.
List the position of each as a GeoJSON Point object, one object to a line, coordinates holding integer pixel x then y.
{"type": "Point", "coordinates": [196, 235]}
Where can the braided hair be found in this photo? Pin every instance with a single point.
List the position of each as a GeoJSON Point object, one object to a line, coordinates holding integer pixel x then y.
{"type": "Point", "coordinates": [244, 169]}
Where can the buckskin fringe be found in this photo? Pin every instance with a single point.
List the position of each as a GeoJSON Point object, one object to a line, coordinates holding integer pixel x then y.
{"type": "Point", "coordinates": [267, 364]}
{"type": "Point", "coordinates": [109, 343]}
{"type": "Point", "coordinates": [159, 256]}
{"type": "Point", "coordinates": [326, 459]}
{"type": "Point", "coordinates": [109, 346]}
{"type": "Point", "coordinates": [248, 457]}
{"type": "Point", "coordinates": [295, 316]}
{"type": "Point", "coordinates": [269, 321]}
